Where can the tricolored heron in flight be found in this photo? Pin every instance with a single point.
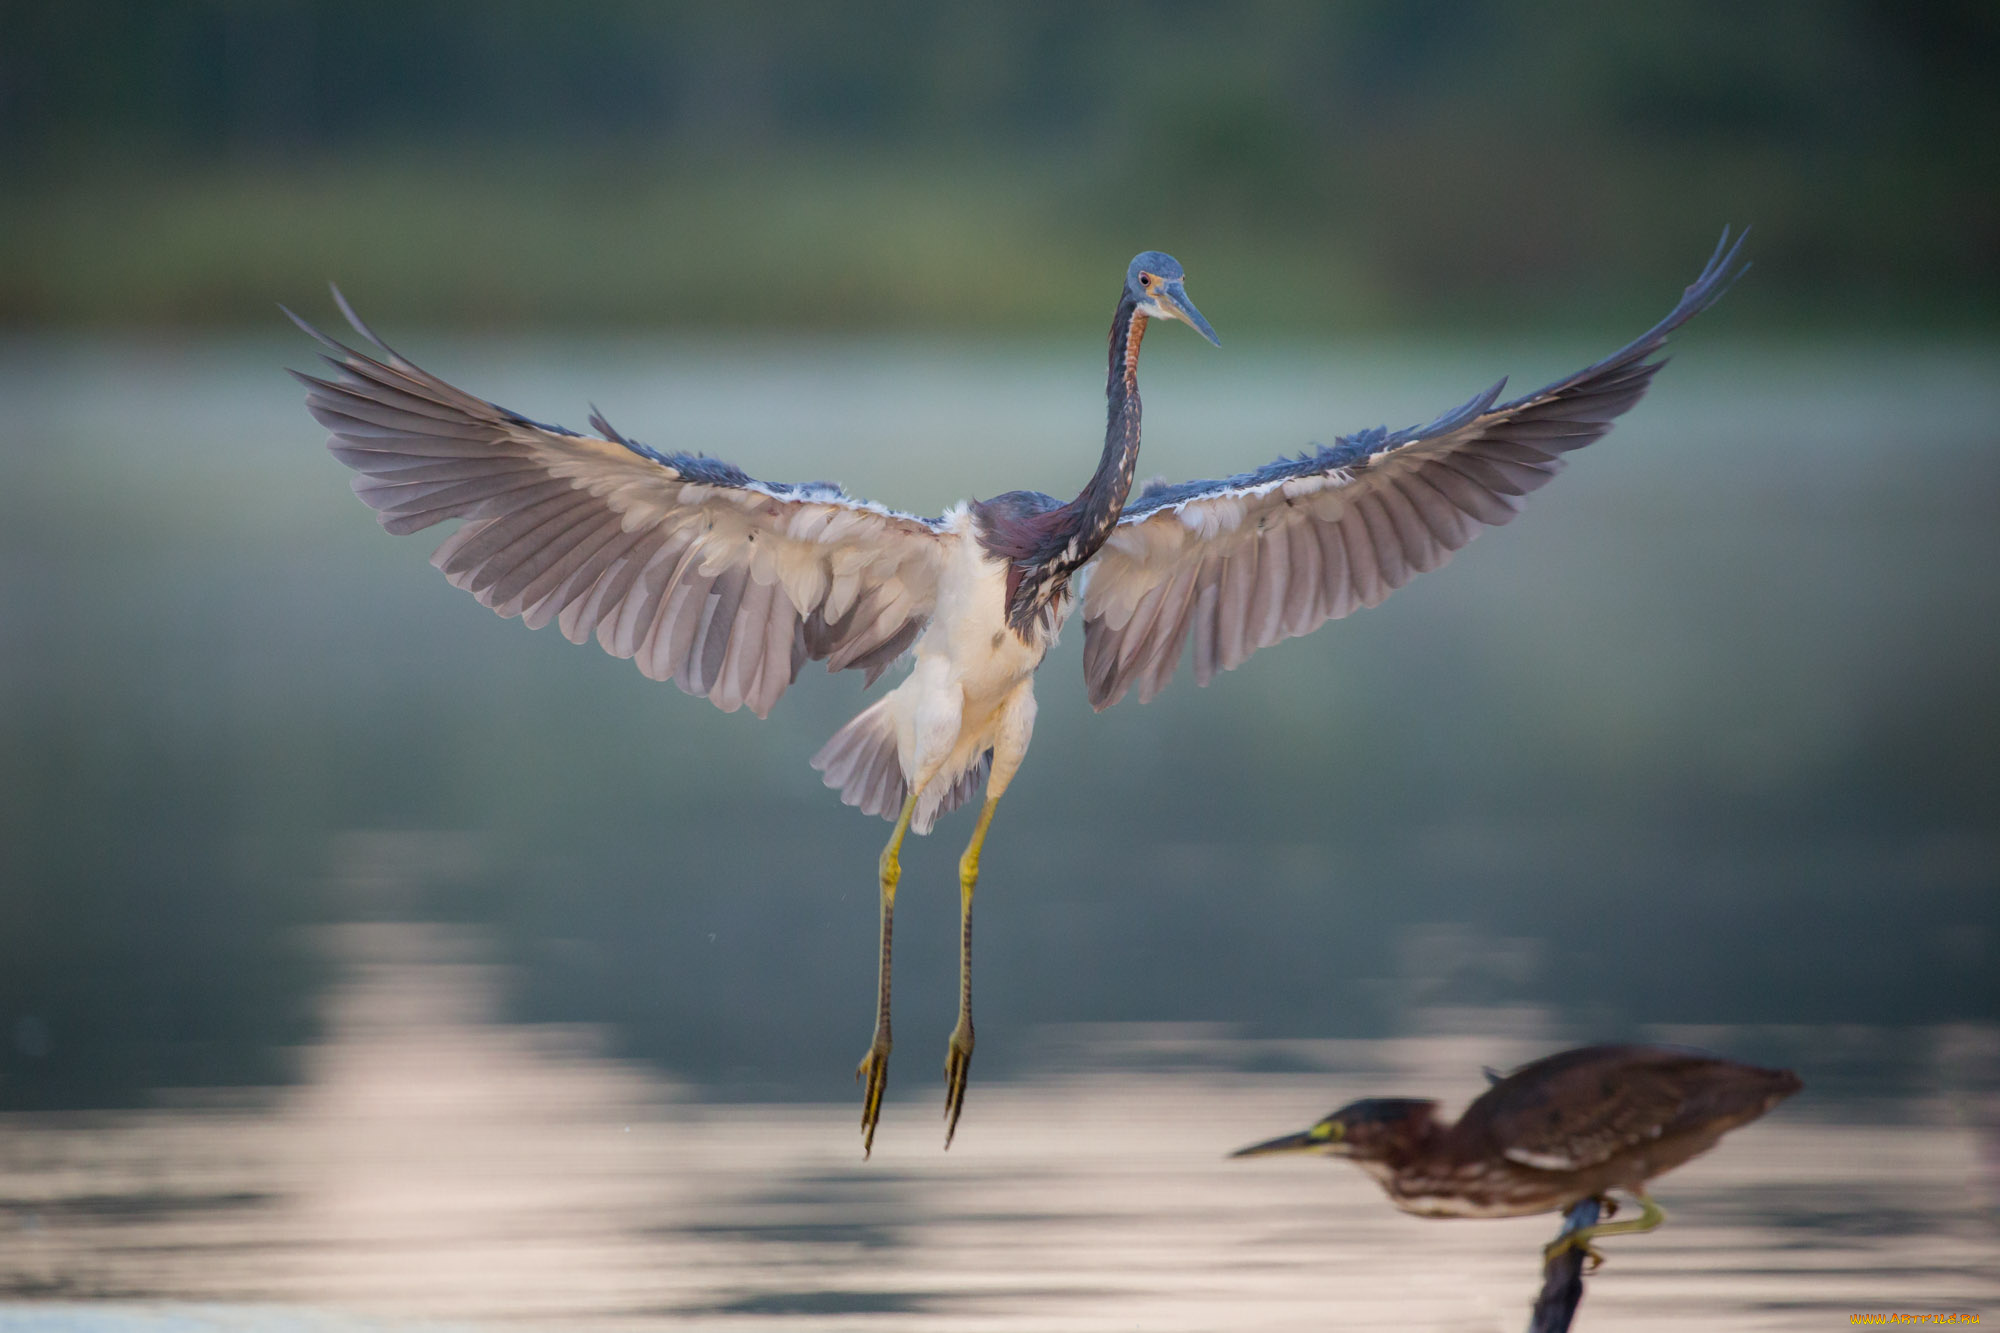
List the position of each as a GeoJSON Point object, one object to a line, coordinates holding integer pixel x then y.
{"type": "Point", "coordinates": [1566, 1128]}
{"type": "Point", "coordinates": [727, 585]}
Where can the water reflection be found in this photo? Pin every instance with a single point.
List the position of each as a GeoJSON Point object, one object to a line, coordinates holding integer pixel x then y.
{"type": "Point", "coordinates": [1705, 738]}
{"type": "Point", "coordinates": [437, 1165]}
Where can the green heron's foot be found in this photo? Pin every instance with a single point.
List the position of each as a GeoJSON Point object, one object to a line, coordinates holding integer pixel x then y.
{"type": "Point", "coordinates": [1650, 1216]}
{"type": "Point", "coordinates": [873, 1074]}
{"type": "Point", "coordinates": [1578, 1240]}
{"type": "Point", "coordinates": [957, 1065]}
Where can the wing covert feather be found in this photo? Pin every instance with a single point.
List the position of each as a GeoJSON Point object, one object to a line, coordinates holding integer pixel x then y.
{"type": "Point", "coordinates": [1583, 1115]}
{"type": "Point", "coordinates": [1580, 1108]}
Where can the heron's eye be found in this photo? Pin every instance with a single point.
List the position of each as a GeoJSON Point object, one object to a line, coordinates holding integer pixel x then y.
{"type": "Point", "coordinates": [1146, 278]}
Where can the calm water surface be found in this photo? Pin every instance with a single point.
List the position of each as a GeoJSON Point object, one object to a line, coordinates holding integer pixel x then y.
{"type": "Point", "coordinates": [437, 1166]}
{"type": "Point", "coordinates": [362, 954]}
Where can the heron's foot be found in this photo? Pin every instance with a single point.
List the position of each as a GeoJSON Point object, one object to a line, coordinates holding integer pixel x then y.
{"type": "Point", "coordinates": [957, 1065]}
{"type": "Point", "coordinates": [1578, 1240]}
{"type": "Point", "coordinates": [1581, 1239]}
{"type": "Point", "coordinates": [873, 1074]}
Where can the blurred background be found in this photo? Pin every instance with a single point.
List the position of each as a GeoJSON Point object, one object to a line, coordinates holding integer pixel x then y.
{"type": "Point", "coordinates": [1701, 747]}
{"type": "Point", "coordinates": [1339, 169]}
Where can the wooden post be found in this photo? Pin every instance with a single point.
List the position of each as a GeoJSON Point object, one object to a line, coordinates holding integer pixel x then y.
{"type": "Point", "coordinates": [1562, 1281]}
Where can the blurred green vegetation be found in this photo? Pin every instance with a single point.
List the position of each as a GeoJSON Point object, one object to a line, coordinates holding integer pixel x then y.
{"type": "Point", "coordinates": [1333, 167]}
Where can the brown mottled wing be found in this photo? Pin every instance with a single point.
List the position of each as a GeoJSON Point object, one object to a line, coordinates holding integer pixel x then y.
{"type": "Point", "coordinates": [706, 576]}
{"type": "Point", "coordinates": [1582, 1107]}
{"type": "Point", "coordinates": [1239, 564]}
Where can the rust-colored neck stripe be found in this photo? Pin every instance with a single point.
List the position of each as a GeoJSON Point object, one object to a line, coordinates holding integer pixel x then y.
{"type": "Point", "coordinates": [1134, 334]}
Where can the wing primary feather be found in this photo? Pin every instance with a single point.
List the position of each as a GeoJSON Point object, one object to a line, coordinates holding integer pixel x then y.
{"type": "Point", "coordinates": [519, 566]}
{"type": "Point", "coordinates": [539, 572]}
{"type": "Point", "coordinates": [1156, 666]}
{"type": "Point", "coordinates": [1337, 596]}
{"type": "Point", "coordinates": [674, 615]}
{"type": "Point", "coordinates": [354, 320]}
{"type": "Point", "coordinates": [1207, 596]}
{"type": "Point", "coordinates": [1265, 620]}
{"type": "Point", "coordinates": [717, 624]}
{"type": "Point", "coordinates": [1302, 593]}
{"type": "Point", "coordinates": [1238, 580]}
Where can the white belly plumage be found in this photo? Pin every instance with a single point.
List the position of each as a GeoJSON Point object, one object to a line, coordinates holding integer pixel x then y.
{"type": "Point", "coordinates": [972, 687]}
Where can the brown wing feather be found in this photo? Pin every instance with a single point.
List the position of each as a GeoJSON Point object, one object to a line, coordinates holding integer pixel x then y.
{"type": "Point", "coordinates": [1580, 1108]}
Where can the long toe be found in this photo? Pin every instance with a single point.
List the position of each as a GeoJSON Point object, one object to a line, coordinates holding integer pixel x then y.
{"type": "Point", "coordinates": [1578, 1240]}
{"type": "Point", "coordinates": [873, 1074]}
{"type": "Point", "coordinates": [957, 1068]}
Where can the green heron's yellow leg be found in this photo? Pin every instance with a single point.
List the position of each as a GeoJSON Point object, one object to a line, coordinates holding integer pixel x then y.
{"type": "Point", "coordinates": [958, 1056]}
{"type": "Point", "coordinates": [1650, 1216]}
{"type": "Point", "coordinates": [873, 1070]}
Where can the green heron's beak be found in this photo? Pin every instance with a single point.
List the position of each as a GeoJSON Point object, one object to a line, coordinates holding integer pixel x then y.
{"type": "Point", "coordinates": [1172, 298]}
{"type": "Point", "coordinates": [1306, 1141]}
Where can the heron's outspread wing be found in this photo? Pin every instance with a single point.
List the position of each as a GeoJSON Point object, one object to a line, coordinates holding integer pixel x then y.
{"type": "Point", "coordinates": [1574, 1110]}
{"type": "Point", "coordinates": [706, 576]}
{"type": "Point", "coordinates": [1241, 563]}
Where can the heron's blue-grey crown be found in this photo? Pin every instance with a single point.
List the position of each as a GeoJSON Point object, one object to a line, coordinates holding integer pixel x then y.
{"type": "Point", "coordinates": [1155, 263]}
{"type": "Point", "coordinates": [1157, 288]}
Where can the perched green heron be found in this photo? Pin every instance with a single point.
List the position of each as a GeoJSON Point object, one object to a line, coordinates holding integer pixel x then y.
{"type": "Point", "coordinates": [727, 585]}
{"type": "Point", "coordinates": [1569, 1127]}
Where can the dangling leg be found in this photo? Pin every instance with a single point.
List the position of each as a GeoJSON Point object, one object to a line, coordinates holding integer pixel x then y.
{"type": "Point", "coordinates": [1650, 1216]}
{"type": "Point", "coordinates": [874, 1068]}
{"type": "Point", "coordinates": [1010, 746]}
{"type": "Point", "coordinates": [958, 1056]}
{"type": "Point", "coordinates": [925, 711]}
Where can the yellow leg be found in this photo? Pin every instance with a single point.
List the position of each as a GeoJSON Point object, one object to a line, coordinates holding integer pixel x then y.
{"type": "Point", "coordinates": [873, 1071]}
{"type": "Point", "coordinates": [1650, 1216]}
{"type": "Point", "coordinates": [958, 1056]}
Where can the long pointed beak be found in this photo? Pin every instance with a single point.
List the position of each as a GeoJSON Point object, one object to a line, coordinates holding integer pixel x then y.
{"type": "Point", "coordinates": [1300, 1142]}
{"type": "Point", "coordinates": [1173, 299]}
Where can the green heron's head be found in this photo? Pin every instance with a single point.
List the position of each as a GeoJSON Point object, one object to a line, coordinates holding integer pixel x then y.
{"type": "Point", "coordinates": [1158, 288]}
{"type": "Point", "coordinates": [1370, 1130]}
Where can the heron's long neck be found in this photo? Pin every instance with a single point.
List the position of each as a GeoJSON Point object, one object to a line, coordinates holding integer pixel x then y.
{"type": "Point", "coordinates": [1044, 549]}
{"type": "Point", "coordinates": [1094, 512]}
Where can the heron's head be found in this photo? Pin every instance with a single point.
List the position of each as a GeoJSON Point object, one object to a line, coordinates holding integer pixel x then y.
{"type": "Point", "coordinates": [1158, 286]}
{"type": "Point", "coordinates": [1367, 1131]}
